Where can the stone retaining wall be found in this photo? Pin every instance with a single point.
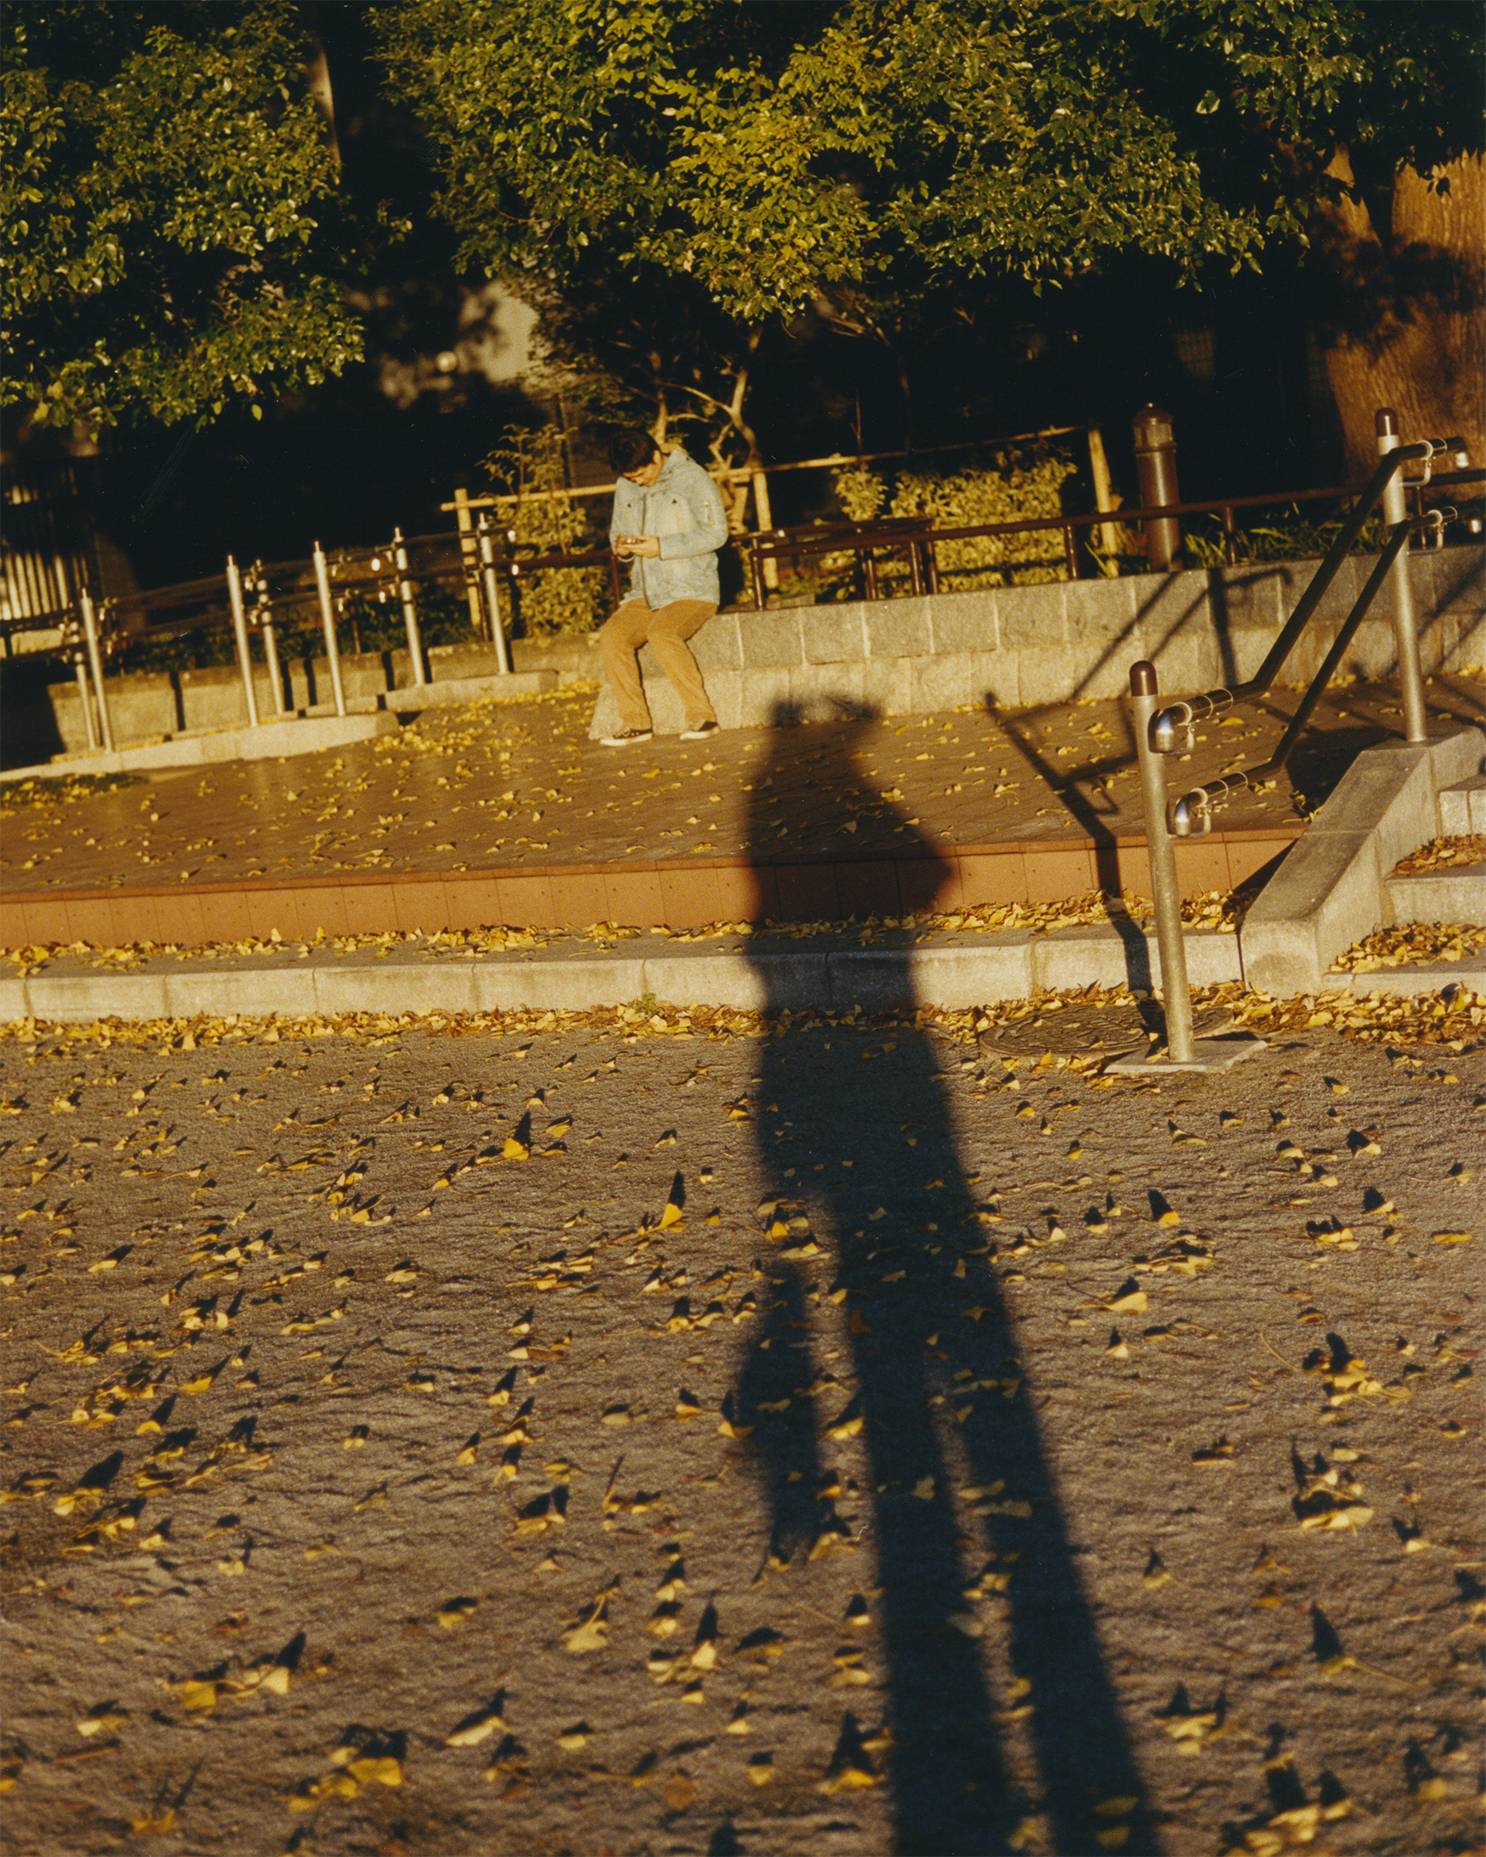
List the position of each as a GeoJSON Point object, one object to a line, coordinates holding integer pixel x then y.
{"type": "Point", "coordinates": [1022, 646]}
{"type": "Point", "coordinates": [1013, 646]}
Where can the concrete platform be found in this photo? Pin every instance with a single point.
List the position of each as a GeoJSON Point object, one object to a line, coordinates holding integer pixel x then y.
{"type": "Point", "coordinates": [270, 741]}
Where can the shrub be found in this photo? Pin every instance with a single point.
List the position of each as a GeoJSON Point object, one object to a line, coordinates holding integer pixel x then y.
{"type": "Point", "coordinates": [1021, 483]}
{"type": "Point", "coordinates": [559, 599]}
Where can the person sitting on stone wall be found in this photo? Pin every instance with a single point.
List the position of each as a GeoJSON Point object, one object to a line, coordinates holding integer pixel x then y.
{"type": "Point", "coordinates": [668, 523]}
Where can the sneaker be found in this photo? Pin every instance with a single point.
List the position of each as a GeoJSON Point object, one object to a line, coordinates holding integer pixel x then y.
{"type": "Point", "coordinates": [626, 738]}
{"type": "Point", "coordinates": [700, 732]}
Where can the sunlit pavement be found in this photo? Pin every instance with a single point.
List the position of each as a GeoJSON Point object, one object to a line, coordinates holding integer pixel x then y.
{"type": "Point", "coordinates": [670, 1434]}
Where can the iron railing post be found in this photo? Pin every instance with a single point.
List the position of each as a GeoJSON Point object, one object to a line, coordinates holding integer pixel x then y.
{"type": "Point", "coordinates": [95, 665]}
{"type": "Point", "coordinates": [1175, 993]}
{"type": "Point", "coordinates": [240, 635]}
{"type": "Point", "coordinates": [1405, 625]}
{"type": "Point", "coordinates": [327, 624]}
{"type": "Point", "coordinates": [409, 608]}
{"type": "Point", "coordinates": [492, 595]}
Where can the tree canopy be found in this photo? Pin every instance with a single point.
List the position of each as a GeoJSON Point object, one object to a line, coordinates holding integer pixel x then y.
{"type": "Point", "coordinates": [677, 184]}
{"type": "Point", "coordinates": [168, 192]}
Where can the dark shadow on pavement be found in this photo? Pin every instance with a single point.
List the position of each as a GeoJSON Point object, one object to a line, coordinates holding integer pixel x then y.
{"type": "Point", "coordinates": [858, 1148]}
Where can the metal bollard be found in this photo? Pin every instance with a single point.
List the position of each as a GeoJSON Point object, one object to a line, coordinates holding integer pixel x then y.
{"type": "Point", "coordinates": [240, 633]}
{"type": "Point", "coordinates": [327, 622]}
{"type": "Point", "coordinates": [1177, 998]}
{"type": "Point", "coordinates": [270, 647]}
{"type": "Point", "coordinates": [1155, 469]}
{"type": "Point", "coordinates": [492, 595]}
{"type": "Point", "coordinates": [95, 665]}
{"type": "Point", "coordinates": [1405, 627]}
{"type": "Point", "coordinates": [84, 687]}
{"type": "Point", "coordinates": [409, 609]}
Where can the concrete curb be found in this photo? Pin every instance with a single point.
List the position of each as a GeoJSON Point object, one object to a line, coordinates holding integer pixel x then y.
{"type": "Point", "coordinates": [1331, 890]}
{"type": "Point", "coordinates": [791, 977]}
{"type": "Point", "coordinates": [274, 740]}
{"type": "Point", "coordinates": [412, 699]}
{"type": "Point", "coordinates": [950, 976]}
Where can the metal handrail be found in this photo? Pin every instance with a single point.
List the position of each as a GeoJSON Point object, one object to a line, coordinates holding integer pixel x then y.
{"type": "Point", "coordinates": [1161, 730]}
{"type": "Point", "coordinates": [1173, 725]}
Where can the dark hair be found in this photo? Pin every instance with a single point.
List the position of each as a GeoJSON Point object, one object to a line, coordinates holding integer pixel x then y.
{"type": "Point", "coordinates": [631, 450]}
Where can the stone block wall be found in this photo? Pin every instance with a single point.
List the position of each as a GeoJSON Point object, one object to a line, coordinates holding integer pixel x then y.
{"type": "Point", "coordinates": [1021, 646]}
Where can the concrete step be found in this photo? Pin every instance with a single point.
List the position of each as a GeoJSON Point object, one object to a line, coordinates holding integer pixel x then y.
{"type": "Point", "coordinates": [1463, 807]}
{"type": "Point", "coordinates": [765, 972]}
{"type": "Point", "coordinates": [1456, 893]}
{"type": "Point", "coordinates": [1423, 977]}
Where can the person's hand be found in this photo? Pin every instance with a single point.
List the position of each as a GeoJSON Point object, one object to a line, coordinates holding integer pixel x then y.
{"type": "Point", "coordinates": [646, 547]}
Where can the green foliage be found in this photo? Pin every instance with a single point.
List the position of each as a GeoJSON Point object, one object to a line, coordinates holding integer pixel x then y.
{"type": "Point", "coordinates": [1023, 483]}
{"type": "Point", "coordinates": [674, 181]}
{"type": "Point", "coordinates": [1294, 535]}
{"type": "Point", "coordinates": [168, 202]}
{"type": "Point", "coordinates": [529, 465]}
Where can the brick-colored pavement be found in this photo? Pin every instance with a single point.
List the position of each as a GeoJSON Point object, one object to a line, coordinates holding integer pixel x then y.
{"type": "Point", "coordinates": [554, 829]}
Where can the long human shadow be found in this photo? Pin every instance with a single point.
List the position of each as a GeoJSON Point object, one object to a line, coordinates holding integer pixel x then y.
{"type": "Point", "coordinates": [866, 1188]}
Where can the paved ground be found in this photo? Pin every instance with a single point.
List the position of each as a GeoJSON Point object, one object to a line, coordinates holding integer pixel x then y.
{"type": "Point", "coordinates": [656, 1436]}
{"type": "Point", "coordinates": [518, 784]}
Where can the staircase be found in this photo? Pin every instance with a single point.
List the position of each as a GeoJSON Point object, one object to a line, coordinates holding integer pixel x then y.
{"type": "Point", "coordinates": [1453, 889]}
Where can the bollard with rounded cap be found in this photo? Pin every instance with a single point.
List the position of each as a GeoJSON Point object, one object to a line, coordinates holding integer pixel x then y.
{"type": "Point", "coordinates": [1222, 1048]}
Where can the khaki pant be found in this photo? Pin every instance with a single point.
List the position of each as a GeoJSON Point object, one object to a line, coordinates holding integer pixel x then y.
{"type": "Point", "coordinates": [665, 629]}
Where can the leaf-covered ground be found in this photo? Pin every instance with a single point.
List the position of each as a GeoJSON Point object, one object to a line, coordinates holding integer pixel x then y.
{"type": "Point", "coordinates": [511, 782]}
{"type": "Point", "coordinates": [683, 1435]}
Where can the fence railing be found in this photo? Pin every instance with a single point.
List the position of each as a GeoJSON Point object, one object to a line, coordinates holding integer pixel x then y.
{"type": "Point", "coordinates": [484, 562]}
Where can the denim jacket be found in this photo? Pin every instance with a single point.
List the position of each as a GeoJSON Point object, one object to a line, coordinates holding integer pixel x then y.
{"type": "Point", "coordinates": [684, 509]}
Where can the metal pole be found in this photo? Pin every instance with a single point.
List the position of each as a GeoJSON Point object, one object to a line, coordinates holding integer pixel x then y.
{"type": "Point", "coordinates": [492, 596]}
{"type": "Point", "coordinates": [95, 664]}
{"type": "Point", "coordinates": [1405, 627]}
{"type": "Point", "coordinates": [240, 632]}
{"type": "Point", "coordinates": [1155, 471]}
{"type": "Point", "coordinates": [271, 659]}
{"type": "Point", "coordinates": [327, 622]}
{"type": "Point", "coordinates": [1144, 702]}
{"type": "Point", "coordinates": [409, 609]}
{"type": "Point", "coordinates": [85, 693]}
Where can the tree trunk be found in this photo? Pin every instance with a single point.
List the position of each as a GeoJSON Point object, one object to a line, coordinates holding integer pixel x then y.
{"type": "Point", "coordinates": [1404, 325]}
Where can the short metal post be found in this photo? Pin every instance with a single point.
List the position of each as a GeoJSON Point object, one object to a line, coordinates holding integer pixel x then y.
{"type": "Point", "coordinates": [327, 623]}
{"type": "Point", "coordinates": [95, 664]}
{"type": "Point", "coordinates": [85, 693]}
{"type": "Point", "coordinates": [1155, 470]}
{"type": "Point", "coordinates": [492, 596]}
{"type": "Point", "coordinates": [271, 660]}
{"type": "Point", "coordinates": [1405, 627]}
{"type": "Point", "coordinates": [409, 609]}
{"type": "Point", "coordinates": [240, 633]}
{"type": "Point", "coordinates": [1176, 996]}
